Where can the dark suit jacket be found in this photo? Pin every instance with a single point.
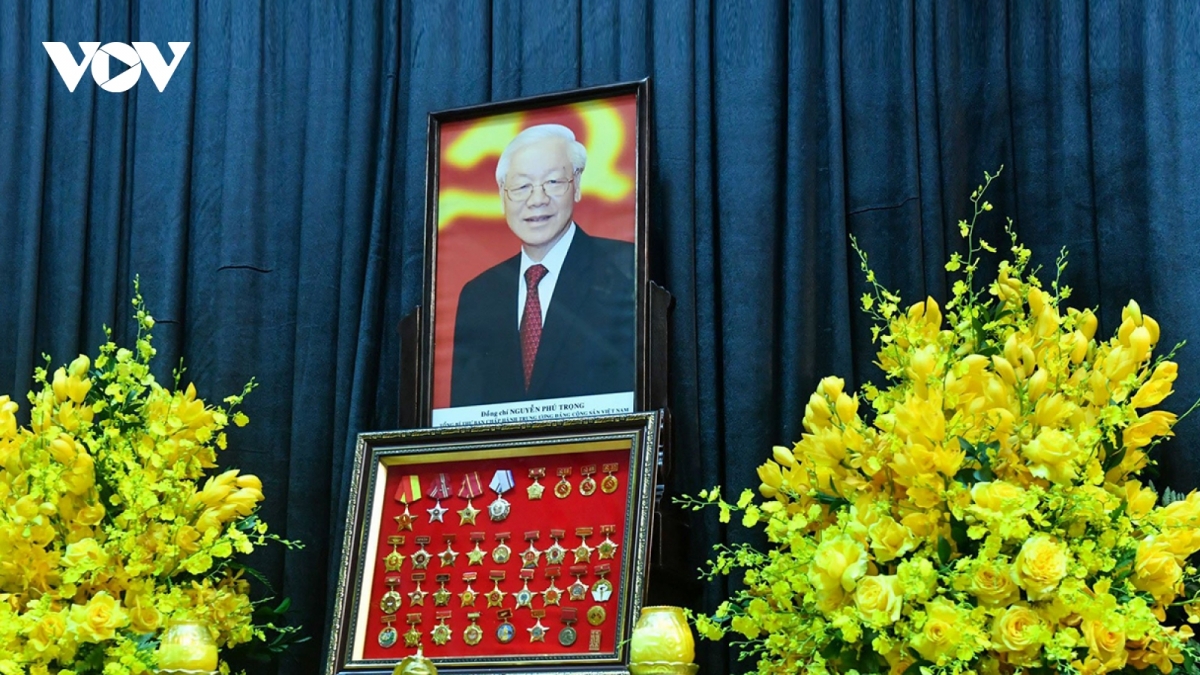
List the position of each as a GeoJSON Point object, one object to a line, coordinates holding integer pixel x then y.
{"type": "Point", "coordinates": [587, 344]}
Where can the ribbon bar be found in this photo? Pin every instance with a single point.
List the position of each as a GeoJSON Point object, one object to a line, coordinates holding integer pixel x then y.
{"type": "Point", "coordinates": [387, 618]}
{"type": "Point", "coordinates": [502, 536]}
{"type": "Point", "coordinates": [583, 531]}
{"type": "Point", "coordinates": [409, 489]}
{"type": "Point", "coordinates": [503, 614]}
{"type": "Point", "coordinates": [557, 534]}
{"type": "Point", "coordinates": [418, 577]}
{"type": "Point", "coordinates": [537, 473]}
{"type": "Point", "coordinates": [440, 488]}
{"type": "Point", "coordinates": [565, 471]}
{"type": "Point", "coordinates": [442, 578]}
{"type": "Point", "coordinates": [423, 540]}
{"type": "Point", "coordinates": [532, 535]}
{"type": "Point", "coordinates": [396, 540]}
{"type": "Point", "coordinates": [414, 619]}
{"type": "Point", "coordinates": [471, 487]}
{"type": "Point", "coordinates": [588, 470]}
{"type": "Point", "coordinates": [537, 613]}
{"type": "Point", "coordinates": [578, 570]}
{"type": "Point", "coordinates": [391, 581]}
{"type": "Point", "coordinates": [609, 468]}
{"type": "Point", "coordinates": [478, 536]}
{"type": "Point", "coordinates": [496, 575]}
{"type": "Point", "coordinates": [469, 577]}
{"type": "Point", "coordinates": [443, 615]}
{"type": "Point", "coordinates": [527, 574]}
{"type": "Point", "coordinates": [601, 570]}
{"type": "Point", "coordinates": [570, 615]}
{"type": "Point", "coordinates": [449, 538]}
{"type": "Point", "coordinates": [502, 481]}
{"type": "Point", "coordinates": [553, 572]}
{"type": "Point", "coordinates": [608, 529]}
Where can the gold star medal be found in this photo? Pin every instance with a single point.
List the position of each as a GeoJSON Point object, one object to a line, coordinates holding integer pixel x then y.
{"type": "Point", "coordinates": [578, 590]}
{"type": "Point", "coordinates": [393, 561]}
{"type": "Point", "coordinates": [583, 552]}
{"type": "Point", "coordinates": [441, 597]}
{"type": "Point", "coordinates": [495, 597]}
{"type": "Point", "coordinates": [467, 597]}
{"type": "Point", "coordinates": [420, 558]}
{"type": "Point", "coordinates": [417, 597]}
{"type": "Point", "coordinates": [556, 553]}
{"type": "Point", "coordinates": [524, 597]}
{"type": "Point", "coordinates": [470, 489]}
{"type": "Point", "coordinates": [473, 634]}
{"type": "Point", "coordinates": [475, 556]}
{"type": "Point", "coordinates": [413, 637]}
{"type": "Point", "coordinates": [530, 556]}
{"type": "Point", "coordinates": [562, 489]}
{"type": "Point", "coordinates": [537, 632]}
{"type": "Point", "coordinates": [449, 555]}
{"type": "Point", "coordinates": [607, 548]}
{"type": "Point", "coordinates": [552, 594]}
{"type": "Point", "coordinates": [502, 482]}
{"type": "Point", "coordinates": [610, 484]}
{"type": "Point", "coordinates": [441, 633]}
{"type": "Point", "coordinates": [535, 490]}
{"type": "Point", "coordinates": [587, 486]}
{"type": "Point", "coordinates": [407, 492]}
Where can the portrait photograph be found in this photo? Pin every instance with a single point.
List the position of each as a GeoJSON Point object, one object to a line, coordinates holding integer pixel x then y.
{"type": "Point", "coordinates": [534, 256]}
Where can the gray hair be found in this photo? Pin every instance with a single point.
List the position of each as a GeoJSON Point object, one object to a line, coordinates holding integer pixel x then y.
{"type": "Point", "coordinates": [575, 150]}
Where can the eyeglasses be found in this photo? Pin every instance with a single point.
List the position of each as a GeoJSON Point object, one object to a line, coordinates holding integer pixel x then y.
{"type": "Point", "coordinates": [553, 188]}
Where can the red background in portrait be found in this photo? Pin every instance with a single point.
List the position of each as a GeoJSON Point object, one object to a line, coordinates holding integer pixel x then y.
{"type": "Point", "coordinates": [471, 244]}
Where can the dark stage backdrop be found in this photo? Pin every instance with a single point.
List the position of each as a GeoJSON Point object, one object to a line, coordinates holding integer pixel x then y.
{"type": "Point", "coordinates": [272, 198]}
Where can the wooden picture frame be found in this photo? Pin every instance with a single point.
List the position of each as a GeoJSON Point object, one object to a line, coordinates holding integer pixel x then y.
{"type": "Point", "coordinates": [475, 362]}
{"type": "Point", "coordinates": [401, 538]}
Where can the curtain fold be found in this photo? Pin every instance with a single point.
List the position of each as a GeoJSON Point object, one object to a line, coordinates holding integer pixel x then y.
{"type": "Point", "coordinates": [272, 201]}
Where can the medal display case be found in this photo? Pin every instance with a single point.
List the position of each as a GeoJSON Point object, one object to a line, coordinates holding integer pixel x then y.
{"type": "Point", "coordinates": [518, 548]}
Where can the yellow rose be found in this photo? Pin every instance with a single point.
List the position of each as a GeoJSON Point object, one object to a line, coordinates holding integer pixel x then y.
{"type": "Point", "coordinates": [940, 635]}
{"type": "Point", "coordinates": [1019, 630]}
{"type": "Point", "coordinates": [188, 539]}
{"type": "Point", "coordinates": [1156, 570]}
{"type": "Point", "coordinates": [879, 599]}
{"type": "Point", "coordinates": [837, 565]}
{"type": "Point", "coordinates": [889, 539]}
{"type": "Point", "coordinates": [144, 617]}
{"type": "Point", "coordinates": [48, 632]}
{"type": "Point", "coordinates": [1052, 455]}
{"type": "Point", "coordinates": [1107, 646]}
{"type": "Point", "coordinates": [998, 496]}
{"type": "Point", "coordinates": [1040, 565]}
{"type": "Point", "coordinates": [90, 515]}
{"type": "Point", "coordinates": [993, 586]}
{"type": "Point", "coordinates": [99, 619]}
{"type": "Point", "coordinates": [85, 553]}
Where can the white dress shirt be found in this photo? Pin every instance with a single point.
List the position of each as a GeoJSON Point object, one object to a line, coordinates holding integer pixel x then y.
{"type": "Point", "coordinates": [553, 262]}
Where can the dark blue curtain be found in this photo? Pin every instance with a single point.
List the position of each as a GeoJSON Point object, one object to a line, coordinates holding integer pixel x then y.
{"type": "Point", "coordinates": [272, 199]}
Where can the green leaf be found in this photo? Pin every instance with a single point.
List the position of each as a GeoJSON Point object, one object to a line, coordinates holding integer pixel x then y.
{"type": "Point", "coordinates": [944, 550]}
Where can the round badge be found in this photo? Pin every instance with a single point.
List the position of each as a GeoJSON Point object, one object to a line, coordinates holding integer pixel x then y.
{"type": "Point", "coordinates": [388, 637]}
{"type": "Point", "coordinates": [498, 510]}
{"type": "Point", "coordinates": [567, 636]}
{"type": "Point", "coordinates": [602, 590]}
{"type": "Point", "coordinates": [505, 633]}
{"type": "Point", "coordinates": [555, 554]}
{"type": "Point", "coordinates": [390, 602]}
{"type": "Point", "coordinates": [595, 615]}
{"type": "Point", "coordinates": [473, 634]}
{"type": "Point", "coordinates": [501, 553]}
{"type": "Point", "coordinates": [609, 484]}
{"type": "Point", "coordinates": [562, 489]}
{"type": "Point", "coordinates": [587, 486]}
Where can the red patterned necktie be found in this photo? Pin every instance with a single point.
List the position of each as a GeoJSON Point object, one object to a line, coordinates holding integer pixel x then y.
{"type": "Point", "coordinates": [531, 320]}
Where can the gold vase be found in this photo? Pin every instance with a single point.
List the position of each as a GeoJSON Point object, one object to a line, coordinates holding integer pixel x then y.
{"type": "Point", "coordinates": [662, 637]}
{"type": "Point", "coordinates": [187, 647]}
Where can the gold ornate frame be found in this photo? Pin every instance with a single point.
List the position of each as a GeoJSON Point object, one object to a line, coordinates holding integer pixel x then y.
{"type": "Point", "coordinates": [639, 433]}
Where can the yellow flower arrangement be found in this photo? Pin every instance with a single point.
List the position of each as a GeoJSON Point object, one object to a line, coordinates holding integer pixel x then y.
{"type": "Point", "coordinates": [110, 522]}
{"type": "Point", "coordinates": [989, 515]}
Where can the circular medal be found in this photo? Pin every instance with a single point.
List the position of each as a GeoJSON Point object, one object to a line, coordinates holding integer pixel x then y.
{"type": "Point", "coordinates": [473, 634]}
{"type": "Point", "coordinates": [609, 484]}
{"type": "Point", "coordinates": [390, 602]}
{"type": "Point", "coordinates": [587, 486]}
{"type": "Point", "coordinates": [595, 615]}
{"type": "Point", "coordinates": [505, 633]}
{"type": "Point", "coordinates": [501, 553]}
{"type": "Point", "coordinates": [388, 637]}
{"type": "Point", "coordinates": [602, 590]}
{"type": "Point", "coordinates": [562, 489]}
{"type": "Point", "coordinates": [567, 636]}
{"type": "Point", "coordinates": [498, 510]}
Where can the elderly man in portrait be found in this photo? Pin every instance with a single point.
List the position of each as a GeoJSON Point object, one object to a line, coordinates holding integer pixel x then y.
{"type": "Point", "coordinates": [557, 319]}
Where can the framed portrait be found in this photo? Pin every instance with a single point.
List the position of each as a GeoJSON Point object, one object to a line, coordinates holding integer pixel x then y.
{"type": "Point", "coordinates": [535, 259]}
{"type": "Point", "coordinates": [518, 548]}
